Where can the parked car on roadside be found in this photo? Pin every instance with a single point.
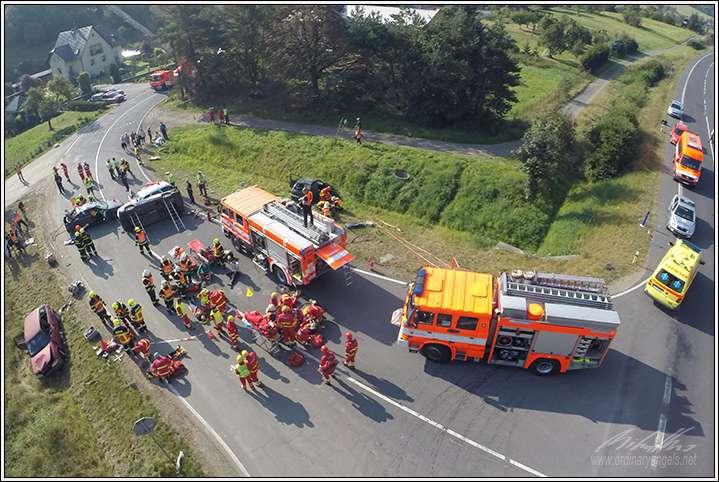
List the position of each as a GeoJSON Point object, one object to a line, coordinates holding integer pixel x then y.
{"type": "Point", "coordinates": [314, 185]}
{"type": "Point", "coordinates": [44, 341]}
{"type": "Point", "coordinates": [111, 96]}
{"type": "Point", "coordinates": [682, 217]}
{"type": "Point", "coordinates": [676, 109]}
{"type": "Point", "coordinates": [90, 213]}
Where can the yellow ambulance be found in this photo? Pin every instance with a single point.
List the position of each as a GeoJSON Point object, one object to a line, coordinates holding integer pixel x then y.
{"type": "Point", "coordinates": [671, 280]}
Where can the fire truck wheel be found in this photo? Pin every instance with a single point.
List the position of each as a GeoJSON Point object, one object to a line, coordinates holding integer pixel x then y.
{"type": "Point", "coordinates": [226, 232]}
{"type": "Point", "coordinates": [279, 276]}
{"type": "Point", "coordinates": [544, 367]}
{"type": "Point", "coordinates": [437, 353]}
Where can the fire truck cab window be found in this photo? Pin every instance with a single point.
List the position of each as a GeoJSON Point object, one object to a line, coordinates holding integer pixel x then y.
{"type": "Point", "coordinates": [424, 317]}
{"type": "Point", "coordinates": [467, 323]}
{"type": "Point", "coordinates": [229, 213]}
{"type": "Point", "coordinates": [444, 320]}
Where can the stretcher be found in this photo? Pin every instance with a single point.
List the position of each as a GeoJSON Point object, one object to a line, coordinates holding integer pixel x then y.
{"type": "Point", "coordinates": [264, 332]}
{"type": "Point", "coordinates": [200, 270]}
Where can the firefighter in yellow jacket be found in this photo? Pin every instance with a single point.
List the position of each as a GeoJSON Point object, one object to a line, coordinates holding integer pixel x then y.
{"type": "Point", "coordinates": [136, 317]}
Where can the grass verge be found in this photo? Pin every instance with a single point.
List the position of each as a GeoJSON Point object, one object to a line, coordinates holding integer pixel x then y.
{"type": "Point", "coordinates": [78, 423]}
{"type": "Point", "coordinates": [30, 144]}
{"type": "Point", "coordinates": [601, 220]}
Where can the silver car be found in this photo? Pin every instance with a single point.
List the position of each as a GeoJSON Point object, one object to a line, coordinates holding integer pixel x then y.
{"type": "Point", "coordinates": [676, 109]}
{"type": "Point", "coordinates": [682, 217]}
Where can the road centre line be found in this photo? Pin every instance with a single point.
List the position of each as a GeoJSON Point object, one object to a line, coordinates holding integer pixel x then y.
{"type": "Point", "coordinates": [137, 131]}
{"type": "Point", "coordinates": [102, 141]}
{"type": "Point", "coordinates": [448, 431]}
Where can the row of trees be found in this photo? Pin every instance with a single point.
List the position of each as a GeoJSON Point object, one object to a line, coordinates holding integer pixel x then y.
{"type": "Point", "coordinates": [454, 69]}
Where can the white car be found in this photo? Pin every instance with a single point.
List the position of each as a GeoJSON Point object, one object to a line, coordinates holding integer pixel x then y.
{"type": "Point", "coordinates": [676, 109]}
{"type": "Point", "coordinates": [682, 217]}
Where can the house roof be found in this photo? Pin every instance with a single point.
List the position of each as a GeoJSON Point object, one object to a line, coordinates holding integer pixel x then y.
{"type": "Point", "coordinates": [15, 104]}
{"type": "Point", "coordinates": [106, 35]}
{"type": "Point", "coordinates": [70, 43]}
{"type": "Point", "coordinates": [65, 52]}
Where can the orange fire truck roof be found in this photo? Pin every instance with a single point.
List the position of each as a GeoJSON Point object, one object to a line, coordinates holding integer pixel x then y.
{"type": "Point", "coordinates": [456, 291]}
{"type": "Point", "coordinates": [249, 200]}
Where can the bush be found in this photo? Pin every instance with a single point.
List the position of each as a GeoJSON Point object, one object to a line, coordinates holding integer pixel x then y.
{"type": "Point", "coordinates": [84, 80]}
{"type": "Point", "coordinates": [624, 45]}
{"type": "Point", "coordinates": [696, 44]}
{"type": "Point", "coordinates": [84, 105]}
{"type": "Point", "coordinates": [595, 57]}
{"type": "Point", "coordinates": [612, 144]}
{"type": "Point", "coordinates": [652, 72]}
{"type": "Point", "coordinates": [115, 74]}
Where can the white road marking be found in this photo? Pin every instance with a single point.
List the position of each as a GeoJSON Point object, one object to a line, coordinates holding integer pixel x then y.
{"type": "Point", "coordinates": [626, 292]}
{"type": "Point", "coordinates": [102, 141]}
{"type": "Point", "coordinates": [71, 145]}
{"type": "Point", "coordinates": [137, 131]}
{"type": "Point", "coordinates": [706, 118]}
{"type": "Point", "coordinates": [212, 432]}
{"type": "Point", "coordinates": [369, 273]}
{"type": "Point", "coordinates": [686, 82]}
{"type": "Point", "coordinates": [446, 430]}
{"type": "Point", "coordinates": [667, 391]}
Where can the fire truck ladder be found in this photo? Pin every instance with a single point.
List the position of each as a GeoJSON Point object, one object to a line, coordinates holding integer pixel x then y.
{"type": "Point", "coordinates": [295, 222]}
{"type": "Point", "coordinates": [560, 289]}
{"type": "Point", "coordinates": [176, 219]}
{"type": "Point", "coordinates": [135, 220]}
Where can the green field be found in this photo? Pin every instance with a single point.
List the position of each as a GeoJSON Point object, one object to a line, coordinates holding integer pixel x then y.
{"type": "Point", "coordinates": [78, 423]}
{"type": "Point", "coordinates": [33, 142]}
{"type": "Point", "coordinates": [687, 10]}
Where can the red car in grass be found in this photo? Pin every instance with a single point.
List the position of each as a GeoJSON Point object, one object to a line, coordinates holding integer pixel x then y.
{"type": "Point", "coordinates": [677, 130]}
{"type": "Point", "coordinates": [44, 341]}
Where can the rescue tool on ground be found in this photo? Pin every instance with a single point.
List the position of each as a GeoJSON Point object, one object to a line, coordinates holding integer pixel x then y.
{"type": "Point", "coordinates": [545, 322]}
{"type": "Point", "coordinates": [271, 231]}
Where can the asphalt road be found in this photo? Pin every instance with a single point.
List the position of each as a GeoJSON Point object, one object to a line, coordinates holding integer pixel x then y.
{"type": "Point", "coordinates": [400, 415]}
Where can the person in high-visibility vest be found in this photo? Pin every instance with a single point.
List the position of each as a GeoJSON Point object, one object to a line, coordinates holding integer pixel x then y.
{"type": "Point", "coordinates": [232, 332]}
{"type": "Point", "coordinates": [204, 298]}
{"type": "Point", "coordinates": [218, 251]}
{"type": "Point", "coordinates": [166, 268]}
{"type": "Point", "coordinates": [121, 334]}
{"type": "Point", "coordinates": [136, 317]}
{"type": "Point", "coordinates": [253, 363]}
{"type": "Point", "coordinates": [97, 305]}
{"type": "Point", "coordinates": [149, 283]}
{"type": "Point", "coordinates": [306, 202]}
{"type": "Point", "coordinates": [217, 319]}
{"type": "Point", "coordinates": [326, 193]}
{"type": "Point", "coordinates": [141, 240]}
{"type": "Point", "coordinates": [351, 347]}
{"type": "Point", "coordinates": [182, 311]}
{"type": "Point", "coordinates": [328, 363]}
{"type": "Point", "coordinates": [242, 370]}
{"type": "Point", "coordinates": [142, 348]}
{"type": "Point", "coordinates": [121, 310]}
{"type": "Point", "coordinates": [168, 295]}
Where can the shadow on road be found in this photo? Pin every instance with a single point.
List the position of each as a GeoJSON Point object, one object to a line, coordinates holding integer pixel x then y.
{"type": "Point", "coordinates": [285, 410]}
{"type": "Point", "coordinates": [368, 406]}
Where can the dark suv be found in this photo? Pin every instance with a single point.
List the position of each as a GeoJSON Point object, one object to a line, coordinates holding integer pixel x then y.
{"type": "Point", "coordinates": [314, 185]}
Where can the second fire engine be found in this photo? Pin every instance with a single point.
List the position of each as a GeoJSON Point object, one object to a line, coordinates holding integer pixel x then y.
{"type": "Point", "coordinates": [271, 230]}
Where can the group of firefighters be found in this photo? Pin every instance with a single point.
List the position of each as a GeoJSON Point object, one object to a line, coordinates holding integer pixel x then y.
{"type": "Point", "coordinates": [326, 203]}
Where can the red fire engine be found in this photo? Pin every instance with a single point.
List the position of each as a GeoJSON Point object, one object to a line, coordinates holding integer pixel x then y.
{"type": "Point", "coordinates": [271, 230]}
{"type": "Point", "coordinates": [541, 321]}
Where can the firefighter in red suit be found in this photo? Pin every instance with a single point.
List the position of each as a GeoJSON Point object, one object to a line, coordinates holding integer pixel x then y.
{"type": "Point", "coordinates": [253, 363]}
{"type": "Point", "coordinates": [161, 367]}
{"type": "Point", "coordinates": [303, 334]}
{"type": "Point", "coordinates": [313, 313]}
{"type": "Point", "coordinates": [232, 332]}
{"type": "Point", "coordinates": [351, 347]}
{"type": "Point", "coordinates": [142, 348]}
{"type": "Point", "coordinates": [328, 363]}
{"type": "Point", "coordinates": [286, 323]}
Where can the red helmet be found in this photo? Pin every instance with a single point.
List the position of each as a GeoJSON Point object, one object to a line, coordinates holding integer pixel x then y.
{"type": "Point", "coordinates": [324, 349]}
{"type": "Point", "coordinates": [348, 335]}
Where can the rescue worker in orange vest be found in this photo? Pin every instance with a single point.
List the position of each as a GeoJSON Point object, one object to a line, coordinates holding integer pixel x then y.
{"type": "Point", "coordinates": [217, 319]}
{"type": "Point", "coordinates": [97, 305]}
{"type": "Point", "coordinates": [141, 240]}
{"type": "Point", "coordinates": [287, 323]}
{"type": "Point", "coordinates": [351, 347]}
{"type": "Point", "coordinates": [232, 332]}
{"type": "Point", "coordinates": [306, 203]}
{"type": "Point", "coordinates": [218, 300]}
{"type": "Point", "coordinates": [182, 311]}
{"type": "Point", "coordinates": [328, 363]}
{"type": "Point", "coordinates": [121, 334]}
{"type": "Point", "coordinates": [121, 310]}
{"type": "Point", "coordinates": [313, 314]}
{"type": "Point", "coordinates": [161, 367]}
{"type": "Point", "coordinates": [185, 265]}
{"type": "Point", "coordinates": [253, 363]}
{"type": "Point", "coordinates": [167, 294]}
{"type": "Point", "coordinates": [136, 317]}
{"type": "Point", "coordinates": [142, 348]}
{"type": "Point", "coordinates": [303, 334]}
{"type": "Point", "coordinates": [166, 268]}
{"type": "Point", "coordinates": [149, 283]}
{"type": "Point", "coordinates": [326, 193]}
{"type": "Point", "coordinates": [242, 370]}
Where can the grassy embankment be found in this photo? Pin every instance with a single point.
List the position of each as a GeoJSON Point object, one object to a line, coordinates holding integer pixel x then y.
{"type": "Point", "coordinates": [79, 423]}
{"type": "Point", "coordinates": [600, 221]}
{"type": "Point", "coordinates": [30, 144]}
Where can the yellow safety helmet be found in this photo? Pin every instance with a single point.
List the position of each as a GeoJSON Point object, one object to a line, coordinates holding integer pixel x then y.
{"type": "Point", "coordinates": [130, 302]}
{"type": "Point", "coordinates": [230, 318]}
{"type": "Point", "coordinates": [216, 241]}
{"type": "Point", "coordinates": [115, 305]}
{"type": "Point", "coordinates": [116, 322]}
{"type": "Point", "coordinates": [244, 353]}
{"type": "Point", "coordinates": [137, 229]}
{"type": "Point", "coordinates": [91, 294]}
{"type": "Point", "coordinates": [204, 292]}
{"type": "Point", "coordinates": [239, 358]}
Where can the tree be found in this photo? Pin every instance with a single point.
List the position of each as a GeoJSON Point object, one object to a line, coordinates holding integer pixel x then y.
{"type": "Point", "coordinates": [33, 98]}
{"type": "Point", "coordinates": [61, 89]}
{"type": "Point", "coordinates": [695, 23]}
{"type": "Point", "coordinates": [48, 108]}
{"type": "Point", "coordinates": [551, 35]}
{"type": "Point", "coordinates": [632, 15]}
{"type": "Point", "coordinates": [545, 155]}
{"type": "Point", "coordinates": [246, 33]}
{"type": "Point", "coordinates": [611, 142]}
{"type": "Point", "coordinates": [84, 80]}
{"type": "Point", "coordinates": [308, 41]}
{"type": "Point", "coordinates": [115, 74]}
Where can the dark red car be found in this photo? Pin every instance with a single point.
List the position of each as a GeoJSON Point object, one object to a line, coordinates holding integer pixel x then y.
{"type": "Point", "coordinates": [677, 130]}
{"type": "Point", "coordinates": [44, 341]}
